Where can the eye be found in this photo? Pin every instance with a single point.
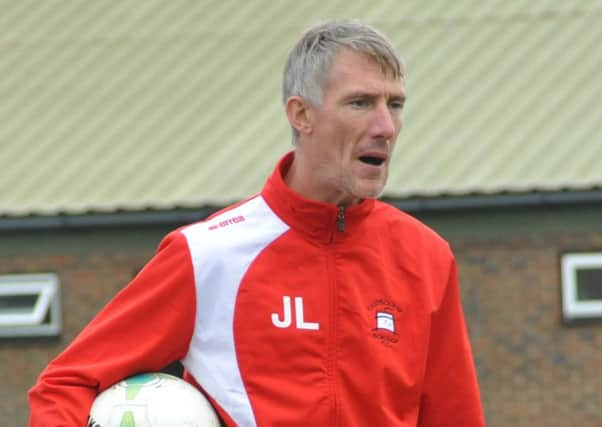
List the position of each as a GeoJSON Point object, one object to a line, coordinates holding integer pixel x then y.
{"type": "Point", "coordinates": [360, 103]}
{"type": "Point", "coordinates": [396, 105]}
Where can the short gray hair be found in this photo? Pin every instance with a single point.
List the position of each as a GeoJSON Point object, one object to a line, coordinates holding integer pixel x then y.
{"type": "Point", "coordinates": [309, 62]}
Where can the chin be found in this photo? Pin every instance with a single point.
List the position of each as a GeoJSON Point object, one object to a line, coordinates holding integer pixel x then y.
{"type": "Point", "coordinates": [369, 192]}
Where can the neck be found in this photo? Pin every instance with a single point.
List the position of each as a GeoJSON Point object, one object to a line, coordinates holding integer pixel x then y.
{"type": "Point", "coordinates": [304, 179]}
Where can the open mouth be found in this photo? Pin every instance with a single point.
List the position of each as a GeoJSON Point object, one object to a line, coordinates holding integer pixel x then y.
{"type": "Point", "coordinates": [372, 160]}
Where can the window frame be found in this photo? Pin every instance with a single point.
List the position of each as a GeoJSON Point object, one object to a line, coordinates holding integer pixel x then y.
{"type": "Point", "coordinates": [47, 305]}
{"type": "Point", "coordinates": [572, 308]}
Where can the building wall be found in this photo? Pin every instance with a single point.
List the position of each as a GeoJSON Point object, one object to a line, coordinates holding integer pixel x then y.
{"type": "Point", "coordinates": [92, 266]}
{"type": "Point", "coordinates": [533, 369]}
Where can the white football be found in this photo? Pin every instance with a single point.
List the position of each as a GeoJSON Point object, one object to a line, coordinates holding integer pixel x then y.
{"type": "Point", "coordinates": [152, 400]}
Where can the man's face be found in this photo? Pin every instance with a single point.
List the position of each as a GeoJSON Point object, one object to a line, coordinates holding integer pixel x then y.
{"type": "Point", "coordinates": [353, 131]}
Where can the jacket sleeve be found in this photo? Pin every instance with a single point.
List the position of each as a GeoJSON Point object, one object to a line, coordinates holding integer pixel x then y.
{"type": "Point", "coordinates": [146, 326]}
{"type": "Point", "coordinates": [451, 394]}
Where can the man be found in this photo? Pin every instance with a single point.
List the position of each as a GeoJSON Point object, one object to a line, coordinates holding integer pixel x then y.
{"type": "Point", "coordinates": [310, 304]}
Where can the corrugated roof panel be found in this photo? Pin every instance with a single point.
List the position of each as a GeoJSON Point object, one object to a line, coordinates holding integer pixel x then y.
{"type": "Point", "coordinates": [510, 105]}
{"type": "Point", "coordinates": [144, 104]}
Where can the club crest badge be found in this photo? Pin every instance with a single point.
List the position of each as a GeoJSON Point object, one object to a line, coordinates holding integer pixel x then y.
{"type": "Point", "coordinates": [385, 314]}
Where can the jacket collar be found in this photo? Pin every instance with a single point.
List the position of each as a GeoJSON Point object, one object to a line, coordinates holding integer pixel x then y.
{"type": "Point", "coordinates": [316, 220]}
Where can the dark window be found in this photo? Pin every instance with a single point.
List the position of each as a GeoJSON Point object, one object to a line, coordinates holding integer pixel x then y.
{"type": "Point", "coordinates": [589, 284]}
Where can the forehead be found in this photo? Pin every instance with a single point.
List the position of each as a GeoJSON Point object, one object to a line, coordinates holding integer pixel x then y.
{"type": "Point", "coordinates": [356, 71]}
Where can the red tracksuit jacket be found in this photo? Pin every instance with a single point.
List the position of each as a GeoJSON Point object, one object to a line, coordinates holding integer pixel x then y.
{"type": "Point", "coordinates": [286, 312]}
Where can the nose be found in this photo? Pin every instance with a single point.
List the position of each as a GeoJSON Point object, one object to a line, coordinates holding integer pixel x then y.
{"type": "Point", "coordinates": [386, 123]}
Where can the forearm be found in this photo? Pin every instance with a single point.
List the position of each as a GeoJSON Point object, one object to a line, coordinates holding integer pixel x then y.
{"type": "Point", "coordinates": [145, 327]}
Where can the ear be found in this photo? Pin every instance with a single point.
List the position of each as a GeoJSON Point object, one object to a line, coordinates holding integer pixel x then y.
{"type": "Point", "coordinates": [298, 111]}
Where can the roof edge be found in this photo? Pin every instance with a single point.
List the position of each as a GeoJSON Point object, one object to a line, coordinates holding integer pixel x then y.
{"type": "Point", "coordinates": [105, 220]}
{"type": "Point", "coordinates": [488, 201]}
{"type": "Point", "coordinates": [414, 205]}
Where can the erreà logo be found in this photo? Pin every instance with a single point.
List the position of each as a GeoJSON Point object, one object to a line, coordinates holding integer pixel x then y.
{"type": "Point", "coordinates": [226, 222]}
{"type": "Point", "coordinates": [385, 313]}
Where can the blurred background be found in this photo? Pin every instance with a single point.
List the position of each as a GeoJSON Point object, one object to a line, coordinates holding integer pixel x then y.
{"type": "Point", "coordinates": [121, 120]}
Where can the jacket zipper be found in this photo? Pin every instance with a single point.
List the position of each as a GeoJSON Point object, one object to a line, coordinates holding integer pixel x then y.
{"type": "Point", "coordinates": [332, 290]}
{"type": "Point", "coordinates": [332, 336]}
{"type": "Point", "coordinates": [341, 219]}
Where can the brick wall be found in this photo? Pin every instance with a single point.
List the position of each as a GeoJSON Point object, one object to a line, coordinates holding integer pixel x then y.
{"type": "Point", "coordinates": [533, 369]}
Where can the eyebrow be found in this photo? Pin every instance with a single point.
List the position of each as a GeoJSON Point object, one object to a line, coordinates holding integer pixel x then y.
{"type": "Point", "coordinates": [366, 94]}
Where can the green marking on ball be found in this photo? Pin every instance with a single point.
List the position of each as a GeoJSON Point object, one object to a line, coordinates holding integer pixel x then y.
{"type": "Point", "coordinates": [127, 420]}
{"type": "Point", "coordinates": [134, 385]}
